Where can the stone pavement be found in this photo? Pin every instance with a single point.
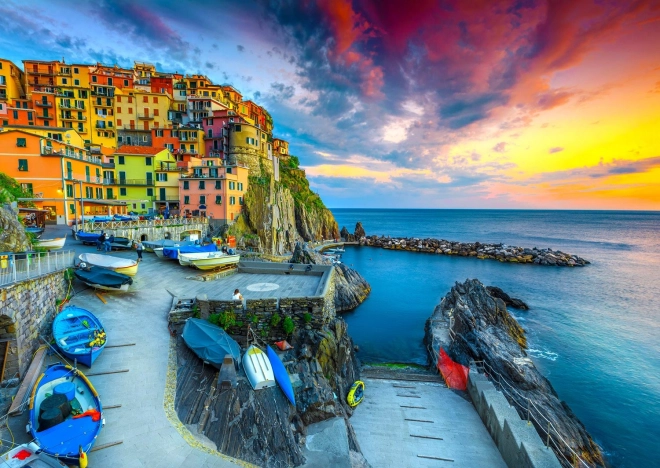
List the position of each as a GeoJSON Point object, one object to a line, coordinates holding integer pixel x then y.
{"type": "Point", "coordinates": [402, 423]}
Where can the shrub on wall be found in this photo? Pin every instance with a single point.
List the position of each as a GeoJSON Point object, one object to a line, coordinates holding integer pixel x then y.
{"type": "Point", "coordinates": [275, 319]}
{"type": "Point", "coordinates": [307, 317]}
{"type": "Point", "coordinates": [288, 325]}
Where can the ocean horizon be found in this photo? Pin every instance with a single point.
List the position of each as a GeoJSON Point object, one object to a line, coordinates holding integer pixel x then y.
{"type": "Point", "coordinates": [591, 331]}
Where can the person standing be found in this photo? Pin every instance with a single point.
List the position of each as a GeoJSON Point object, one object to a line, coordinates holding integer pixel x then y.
{"type": "Point", "coordinates": [100, 241]}
{"type": "Point", "coordinates": [139, 248]}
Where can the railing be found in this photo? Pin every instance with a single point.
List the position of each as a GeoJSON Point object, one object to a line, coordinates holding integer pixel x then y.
{"type": "Point", "coordinates": [16, 267]}
{"type": "Point", "coordinates": [44, 104]}
{"type": "Point", "coordinates": [89, 226]}
{"type": "Point", "coordinates": [149, 182]}
{"type": "Point", "coordinates": [542, 423]}
{"type": "Point", "coordinates": [145, 116]}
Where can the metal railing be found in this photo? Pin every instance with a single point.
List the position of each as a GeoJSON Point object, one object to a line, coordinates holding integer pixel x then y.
{"type": "Point", "coordinates": [533, 413]}
{"type": "Point", "coordinates": [90, 226]}
{"type": "Point", "coordinates": [15, 267]}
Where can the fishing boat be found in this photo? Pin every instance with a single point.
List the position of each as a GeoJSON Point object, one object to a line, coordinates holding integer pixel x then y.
{"type": "Point", "coordinates": [149, 246]}
{"type": "Point", "coordinates": [355, 394]}
{"type": "Point", "coordinates": [101, 278]}
{"type": "Point", "coordinates": [79, 335]}
{"type": "Point", "coordinates": [119, 217]}
{"type": "Point", "coordinates": [209, 342]}
{"type": "Point", "coordinates": [174, 251]}
{"type": "Point", "coordinates": [52, 244]}
{"type": "Point", "coordinates": [159, 252]}
{"type": "Point", "coordinates": [86, 237]}
{"type": "Point", "coordinates": [209, 260]}
{"type": "Point", "coordinates": [258, 368]}
{"type": "Point", "coordinates": [29, 455]}
{"type": "Point", "coordinates": [66, 415]}
{"type": "Point", "coordinates": [281, 375]}
{"type": "Point", "coordinates": [36, 231]}
{"type": "Point", "coordinates": [117, 264]}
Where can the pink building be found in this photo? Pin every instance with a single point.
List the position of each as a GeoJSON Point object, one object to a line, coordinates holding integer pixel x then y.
{"type": "Point", "coordinates": [214, 189]}
{"type": "Point", "coordinates": [216, 131]}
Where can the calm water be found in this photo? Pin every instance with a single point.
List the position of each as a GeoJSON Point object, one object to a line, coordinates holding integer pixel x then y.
{"type": "Point", "coordinates": [592, 331]}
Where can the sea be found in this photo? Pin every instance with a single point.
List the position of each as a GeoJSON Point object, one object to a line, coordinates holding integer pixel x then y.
{"type": "Point", "coordinates": [594, 332]}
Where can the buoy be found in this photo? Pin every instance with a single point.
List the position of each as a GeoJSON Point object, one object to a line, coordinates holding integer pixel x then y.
{"type": "Point", "coordinates": [82, 459]}
{"type": "Point", "coordinates": [355, 394]}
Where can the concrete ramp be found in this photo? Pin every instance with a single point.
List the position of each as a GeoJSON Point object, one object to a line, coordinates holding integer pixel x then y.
{"type": "Point", "coordinates": [421, 424]}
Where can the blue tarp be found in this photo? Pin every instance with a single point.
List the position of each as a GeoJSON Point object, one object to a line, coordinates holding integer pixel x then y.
{"type": "Point", "coordinates": [173, 252]}
{"type": "Point", "coordinates": [210, 342]}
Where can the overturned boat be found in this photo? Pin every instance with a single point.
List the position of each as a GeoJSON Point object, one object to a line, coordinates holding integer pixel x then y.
{"type": "Point", "coordinates": [116, 264]}
{"type": "Point", "coordinates": [102, 278]}
{"type": "Point", "coordinates": [210, 342]}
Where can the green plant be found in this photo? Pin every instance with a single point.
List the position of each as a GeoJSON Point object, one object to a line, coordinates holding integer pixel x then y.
{"type": "Point", "coordinates": [238, 324]}
{"type": "Point", "coordinates": [264, 332]}
{"type": "Point", "coordinates": [196, 314]}
{"type": "Point", "coordinates": [307, 317]}
{"type": "Point", "coordinates": [288, 326]}
{"type": "Point", "coordinates": [252, 318]}
{"type": "Point", "coordinates": [214, 318]}
{"type": "Point", "coordinates": [275, 319]}
{"type": "Point", "coordinates": [227, 319]}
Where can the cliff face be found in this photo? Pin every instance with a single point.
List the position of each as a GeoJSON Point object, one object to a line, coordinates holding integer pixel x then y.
{"type": "Point", "coordinates": [13, 237]}
{"type": "Point", "coordinates": [261, 427]}
{"type": "Point", "coordinates": [281, 213]}
{"type": "Point", "coordinates": [470, 324]}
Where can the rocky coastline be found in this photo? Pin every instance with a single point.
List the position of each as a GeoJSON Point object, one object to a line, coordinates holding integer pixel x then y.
{"type": "Point", "coordinates": [483, 251]}
{"type": "Point", "coordinates": [472, 326]}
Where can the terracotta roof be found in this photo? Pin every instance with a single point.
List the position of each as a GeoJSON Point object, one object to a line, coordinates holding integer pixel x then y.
{"type": "Point", "coordinates": [146, 150]}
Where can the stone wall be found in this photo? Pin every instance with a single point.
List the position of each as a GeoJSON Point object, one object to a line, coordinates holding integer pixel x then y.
{"type": "Point", "coordinates": [26, 313]}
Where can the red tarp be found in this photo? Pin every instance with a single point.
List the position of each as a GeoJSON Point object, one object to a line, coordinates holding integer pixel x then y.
{"type": "Point", "coordinates": [455, 374]}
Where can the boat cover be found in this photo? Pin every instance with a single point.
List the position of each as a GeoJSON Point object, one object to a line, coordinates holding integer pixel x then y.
{"type": "Point", "coordinates": [173, 252]}
{"type": "Point", "coordinates": [87, 236]}
{"type": "Point", "coordinates": [106, 261]}
{"type": "Point", "coordinates": [455, 374]}
{"type": "Point", "coordinates": [103, 277]}
{"type": "Point", "coordinates": [210, 342]}
{"type": "Point", "coordinates": [165, 243]}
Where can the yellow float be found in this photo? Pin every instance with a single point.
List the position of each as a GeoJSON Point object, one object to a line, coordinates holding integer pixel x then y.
{"type": "Point", "coordinates": [355, 394]}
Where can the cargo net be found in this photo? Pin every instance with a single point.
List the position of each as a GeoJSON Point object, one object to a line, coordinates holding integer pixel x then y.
{"type": "Point", "coordinates": [455, 374]}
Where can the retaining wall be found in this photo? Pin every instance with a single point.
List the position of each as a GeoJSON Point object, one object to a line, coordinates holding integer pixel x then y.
{"type": "Point", "coordinates": [27, 310]}
{"type": "Point", "coordinates": [518, 442]}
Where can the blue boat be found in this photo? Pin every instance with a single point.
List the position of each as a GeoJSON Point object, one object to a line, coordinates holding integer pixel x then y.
{"type": "Point", "coordinates": [65, 413]}
{"type": "Point", "coordinates": [281, 375]}
{"type": "Point", "coordinates": [173, 252]}
{"type": "Point", "coordinates": [119, 217]}
{"type": "Point", "coordinates": [79, 335]}
{"type": "Point", "coordinates": [86, 237]}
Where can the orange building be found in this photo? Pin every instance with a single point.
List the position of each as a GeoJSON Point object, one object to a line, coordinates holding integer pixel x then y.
{"type": "Point", "coordinates": [65, 179]}
{"type": "Point", "coordinates": [214, 189]}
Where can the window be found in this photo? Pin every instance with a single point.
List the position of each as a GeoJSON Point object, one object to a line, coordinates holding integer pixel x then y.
{"type": "Point", "coordinates": [218, 199]}
{"type": "Point", "coordinates": [240, 200]}
{"type": "Point", "coordinates": [237, 128]}
{"type": "Point", "coordinates": [118, 122]}
{"type": "Point", "coordinates": [159, 133]}
{"type": "Point", "coordinates": [130, 110]}
{"type": "Point", "coordinates": [29, 115]}
{"type": "Point", "coordinates": [122, 191]}
{"type": "Point", "coordinates": [240, 186]}
{"type": "Point", "coordinates": [232, 200]}
{"type": "Point", "coordinates": [143, 206]}
{"type": "Point", "coordinates": [15, 114]}
{"type": "Point", "coordinates": [186, 185]}
{"type": "Point", "coordinates": [144, 139]}
{"type": "Point", "coordinates": [156, 113]}
{"type": "Point", "coordinates": [202, 200]}
{"type": "Point", "coordinates": [161, 177]}
{"type": "Point", "coordinates": [69, 190]}
{"type": "Point", "coordinates": [232, 185]}
{"type": "Point", "coordinates": [150, 192]}
{"type": "Point", "coordinates": [76, 82]}
{"type": "Point", "coordinates": [155, 100]}
{"type": "Point", "coordinates": [130, 99]}
{"type": "Point", "coordinates": [93, 78]}
{"type": "Point", "coordinates": [118, 110]}
{"type": "Point", "coordinates": [125, 82]}
{"type": "Point", "coordinates": [210, 133]}
{"type": "Point", "coordinates": [218, 184]}
{"type": "Point", "coordinates": [186, 200]}
{"type": "Point", "coordinates": [5, 122]}
{"type": "Point", "coordinates": [108, 194]}
{"type": "Point", "coordinates": [147, 160]}
{"type": "Point", "coordinates": [72, 208]}
{"type": "Point", "coordinates": [22, 164]}
{"type": "Point", "coordinates": [109, 81]}
{"type": "Point", "coordinates": [27, 188]}
{"type": "Point", "coordinates": [145, 98]}
{"type": "Point", "coordinates": [75, 70]}
{"type": "Point", "coordinates": [64, 81]}
{"type": "Point", "coordinates": [120, 160]}
{"type": "Point", "coordinates": [202, 185]}
{"type": "Point", "coordinates": [99, 193]}
{"type": "Point", "coordinates": [120, 139]}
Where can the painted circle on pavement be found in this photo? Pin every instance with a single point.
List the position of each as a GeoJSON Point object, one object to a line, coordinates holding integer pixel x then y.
{"type": "Point", "coordinates": [263, 287]}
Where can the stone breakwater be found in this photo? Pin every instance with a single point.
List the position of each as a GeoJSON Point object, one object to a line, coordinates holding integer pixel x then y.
{"type": "Point", "coordinates": [501, 252]}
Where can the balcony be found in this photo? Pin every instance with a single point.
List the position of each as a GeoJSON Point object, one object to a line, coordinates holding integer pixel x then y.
{"type": "Point", "coordinates": [166, 198]}
{"type": "Point", "coordinates": [145, 116]}
{"type": "Point", "coordinates": [103, 104]}
{"type": "Point", "coordinates": [145, 182]}
{"type": "Point", "coordinates": [36, 88]}
{"type": "Point", "coordinates": [45, 117]}
{"type": "Point", "coordinates": [43, 104]}
{"type": "Point", "coordinates": [103, 126]}
{"type": "Point", "coordinates": [72, 117]}
{"type": "Point", "coordinates": [170, 167]}
{"type": "Point", "coordinates": [48, 72]}
{"type": "Point", "coordinates": [64, 72]}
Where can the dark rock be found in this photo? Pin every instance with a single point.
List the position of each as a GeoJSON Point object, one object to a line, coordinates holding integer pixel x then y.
{"type": "Point", "coordinates": [482, 330]}
{"type": "Point", "coordinates": [359, 231]}
{"type": "Point", "coordinates": [12, 233]}
{"type": "Point", "coordinates": [508, 300]}
{"type": "Point", "coordinates": [347, 236]}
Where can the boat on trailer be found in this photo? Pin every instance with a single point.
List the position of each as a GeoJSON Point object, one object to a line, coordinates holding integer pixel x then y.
{"type": "Point", "coordinates": [86, 237]}
{"type": "Point", "coordinates": [101, 278]}
{"type": "Point", "coordinates": [66, 415]}
{"type": "Point", "coordinates": [79, 334]}
{"type": "Point", "coordinates": [116, 264]}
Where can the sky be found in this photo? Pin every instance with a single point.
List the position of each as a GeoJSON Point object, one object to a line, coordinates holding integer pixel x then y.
{"type": "Point", "coordinates": [425, 104]}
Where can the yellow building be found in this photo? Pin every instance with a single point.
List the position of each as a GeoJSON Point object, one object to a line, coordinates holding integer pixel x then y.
{"type": "Point", "coordinates": [73, 98]}
{"type": "Point", "coordinates": [69, 136]}
{"type": "Point", "coordinates": [11, 82]}
{"type": "Point", "coordinates": [135, 169]}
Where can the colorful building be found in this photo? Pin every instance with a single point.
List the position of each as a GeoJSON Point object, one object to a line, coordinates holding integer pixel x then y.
{"type": "Point", "coordinates": [11, 82]}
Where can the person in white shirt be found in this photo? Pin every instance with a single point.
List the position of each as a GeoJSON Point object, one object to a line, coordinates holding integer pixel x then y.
{"type": "Point", "coordinates": [237, 296]}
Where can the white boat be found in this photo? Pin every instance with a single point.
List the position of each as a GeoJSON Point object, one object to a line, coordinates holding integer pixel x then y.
{"type": "Point", "coordinates": [117, 264]}
{"type": "Point", "coordinates": [159, 252]}
{"type": "Point", "coordinates": [258, 369]}
{"type": "Point", "coordinates": [29, 455]}
{"type": "Point", "coordinates": [52, 244]}
{"type": "Point", "coordinates": [208, 260]}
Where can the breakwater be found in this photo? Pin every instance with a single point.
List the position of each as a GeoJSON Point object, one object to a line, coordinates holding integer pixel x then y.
{"type": "Point", "coordinates": [500, 252]}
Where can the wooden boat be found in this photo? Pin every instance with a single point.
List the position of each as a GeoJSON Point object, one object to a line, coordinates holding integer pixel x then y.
{"type": "Point", "coordinates": [52, 244]}
{"type": "Point", "coordinates": [281, 375]}
{"type": "Point", "coordinates": [209, 260]}
{"type": "Point", "coordinates": [66, 415]}
{"type": "Point", "coordinates": [355, 394]}
{"type": "Point", "coordinates": [149, 246]}
{"type": "Point", "coordinates": [86, 237]}
{"type": "Point", "coordinates": [29, 455]}
{"type": "Point", "coordinates": [101, 278]}
{"type": "Point", "coordinates": [209, 342]}
{"type": "Point", "coordinates": [258, 368]}
{"type": "Point", "coordinates": [79, 335]}
{"type": "Point", "coordinates": [174, 251]}
{"type": "Point", "coordinates": [117, 264]}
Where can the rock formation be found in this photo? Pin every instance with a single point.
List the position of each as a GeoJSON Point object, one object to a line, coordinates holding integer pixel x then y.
{"type": "Point", "coordinates": [359, 231]}
{"type": "Point", "coordinates": [471, 325]}
{"type": "Point", "coordinates": [351, 289]}
{"type": "Point", "coordinates": [13, 237]}
{"type": "Point", "coordinates": [501, 252]}
{"type": "Point", "coordinates": [261, 427]}
{"type": "Point", "coordinates": [497, 293]}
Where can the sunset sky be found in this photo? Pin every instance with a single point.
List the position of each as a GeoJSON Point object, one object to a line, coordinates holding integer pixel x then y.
{"type": "Point", "coordinates": [430, 104]}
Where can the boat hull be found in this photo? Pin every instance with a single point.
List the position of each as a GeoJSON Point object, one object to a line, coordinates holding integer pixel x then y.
{"type": "Point", "coordinates": [116, 264]}
{"type": "Point", "coordinates": [258, 368]}
{"type": "Point", "coordinates": [52, 244]}
{"type": "Point", "coordinates": [29, 455]}
{"type": "Point", "coordinates": [281, 375]}
{"type": "Point", "coordinates": [86, 237]}
{"type": "Point", "coordinates": [73, 338]}
{"type": "Point", "coordinates": [208, 261]}
{"type": "Point", "coordinates": [63, 439]}
{"type": "Point", "coordinates": [101, 278]}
